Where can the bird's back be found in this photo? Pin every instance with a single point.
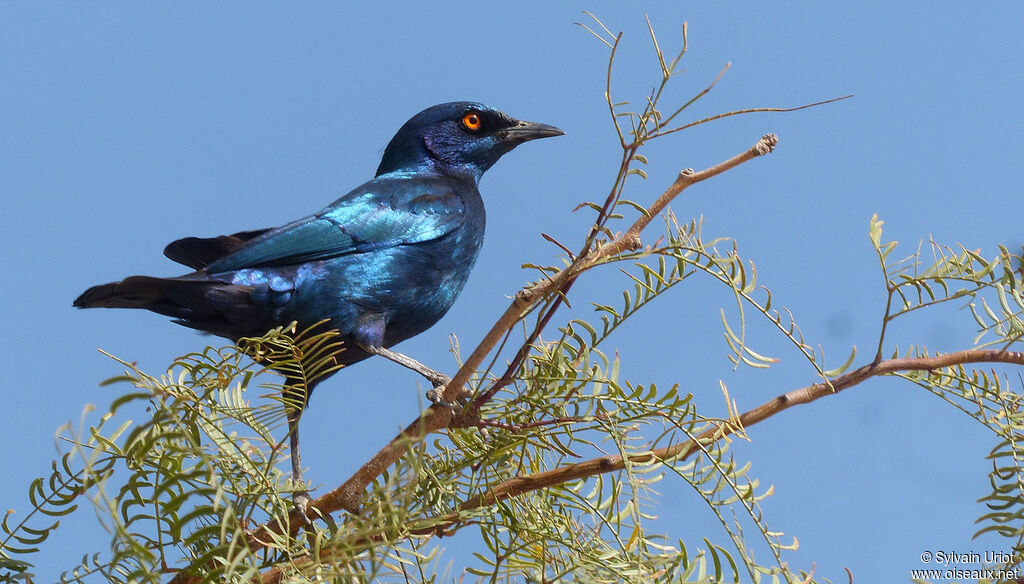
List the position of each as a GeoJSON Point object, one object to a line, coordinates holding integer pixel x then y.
{"type": "Point", "coordinates": [381, 264]}
{"type": "Point", "coordinates": [417, 239]}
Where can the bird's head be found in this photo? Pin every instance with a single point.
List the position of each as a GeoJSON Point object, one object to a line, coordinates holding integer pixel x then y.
{"type": "Point", "coordinates": [459, 137]}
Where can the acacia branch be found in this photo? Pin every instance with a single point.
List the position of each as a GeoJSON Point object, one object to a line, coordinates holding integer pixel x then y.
{"type": "Point", "coordinates": [590, 258]}
{"type": "Point", "coordinates": [682, 450]}
{"type": "Point", "coordinates": [348, 495]}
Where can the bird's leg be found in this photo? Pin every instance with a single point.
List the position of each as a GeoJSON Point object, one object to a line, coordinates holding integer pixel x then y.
{"type": "Point", "coordinates": [300, 497]}
{"type": "Point", "coordinates": [436, 378]}
{"type": "Point", "coordinates": [295, 397]}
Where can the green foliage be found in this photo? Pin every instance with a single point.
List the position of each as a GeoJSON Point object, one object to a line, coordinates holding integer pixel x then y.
{"type": "Point", "coordinates": [53, 497]}
{"type": "Point", "coordinates": [991, 290]}
{"type": "Point", "coordinates": [183, 484]}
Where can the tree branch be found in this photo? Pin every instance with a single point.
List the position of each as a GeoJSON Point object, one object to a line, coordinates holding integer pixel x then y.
{"type": "Point", "coordinates": [520, 485]}
{"type": "Point", "coordinates": [348, 495]}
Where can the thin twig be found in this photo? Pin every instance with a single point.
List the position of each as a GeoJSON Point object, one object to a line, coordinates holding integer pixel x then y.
{"type": "Point", "coordinates": [745, 111]}
{"type": "Point", "coordinates": [483, 423]}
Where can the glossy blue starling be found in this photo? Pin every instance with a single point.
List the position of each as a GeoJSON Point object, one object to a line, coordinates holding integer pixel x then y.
{"type": "Point", "coordinates": [382, 263]}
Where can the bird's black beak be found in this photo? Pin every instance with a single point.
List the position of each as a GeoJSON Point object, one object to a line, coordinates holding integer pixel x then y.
{"type": "Point", "coordinates": [525, 131]}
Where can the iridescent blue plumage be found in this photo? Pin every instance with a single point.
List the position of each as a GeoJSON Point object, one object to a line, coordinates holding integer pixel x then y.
{"type": "Point", "coordinates": [382, 263]}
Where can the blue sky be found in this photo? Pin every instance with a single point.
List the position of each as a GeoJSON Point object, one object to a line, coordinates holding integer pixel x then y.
{"type": "Point", "coordinates": [124, 126]}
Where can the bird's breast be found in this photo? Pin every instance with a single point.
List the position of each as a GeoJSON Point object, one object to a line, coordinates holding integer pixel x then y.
{"type": "Point", "coordinates": [409, 286]}
{"type": "Point", "coordinates": [425, 281]}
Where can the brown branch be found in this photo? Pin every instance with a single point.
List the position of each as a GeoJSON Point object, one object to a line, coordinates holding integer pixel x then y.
{"type": "Point", "coordinates": [589, 259]}
{"type": "Point", "coordinates": [680, 451]}
{"type": "Point", "coordinates": [484, 423]}
{"type": "Point", "coordinates": [520, 485]}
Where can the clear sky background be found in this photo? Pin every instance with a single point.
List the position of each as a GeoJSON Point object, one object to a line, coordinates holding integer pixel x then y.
{"type": "Point", "coordinates": [124, 126]}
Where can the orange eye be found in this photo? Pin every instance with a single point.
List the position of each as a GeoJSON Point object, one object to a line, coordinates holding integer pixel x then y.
{"type": "Point", "coordinates": [471, 121]}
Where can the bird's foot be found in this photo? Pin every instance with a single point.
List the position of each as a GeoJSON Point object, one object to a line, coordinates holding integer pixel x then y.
{"type": "Point", "coordinates": [436, 397]}
{"type": "Point", "coordinates": [300, 503]}
{"type": "Point", "coordinates": [436, 378]}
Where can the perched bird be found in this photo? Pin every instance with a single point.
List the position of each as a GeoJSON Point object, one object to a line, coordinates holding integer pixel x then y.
{"type": "Point", "coordinates": [382, 263]}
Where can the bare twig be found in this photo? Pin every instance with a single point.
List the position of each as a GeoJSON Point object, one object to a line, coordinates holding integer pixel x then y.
{"type": "Point", "coordinates": [484, 423]}
{"type": "Point", "coordinates": [660, 133]}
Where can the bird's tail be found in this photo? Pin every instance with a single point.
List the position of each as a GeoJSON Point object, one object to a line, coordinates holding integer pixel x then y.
{"type": "Point", "coordinates": [174, 297]}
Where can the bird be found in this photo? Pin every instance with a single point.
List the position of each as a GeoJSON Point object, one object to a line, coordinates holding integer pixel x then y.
{"type": "Point", "coordinates": [381, 264]}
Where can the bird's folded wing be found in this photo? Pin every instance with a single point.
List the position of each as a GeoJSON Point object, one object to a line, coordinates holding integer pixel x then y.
{"type": "Point", "coordinates": [199, 252]}
{"type": "Point", "coordinates": [362, 224]}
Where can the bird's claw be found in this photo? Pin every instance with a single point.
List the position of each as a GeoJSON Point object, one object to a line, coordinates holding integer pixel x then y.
{"type": "Point", "coordinates": [300, 502]}
{"type": "Point", "coordinates": [440, 381]}
{"type": "Point", "coordinates": [436, 397]}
